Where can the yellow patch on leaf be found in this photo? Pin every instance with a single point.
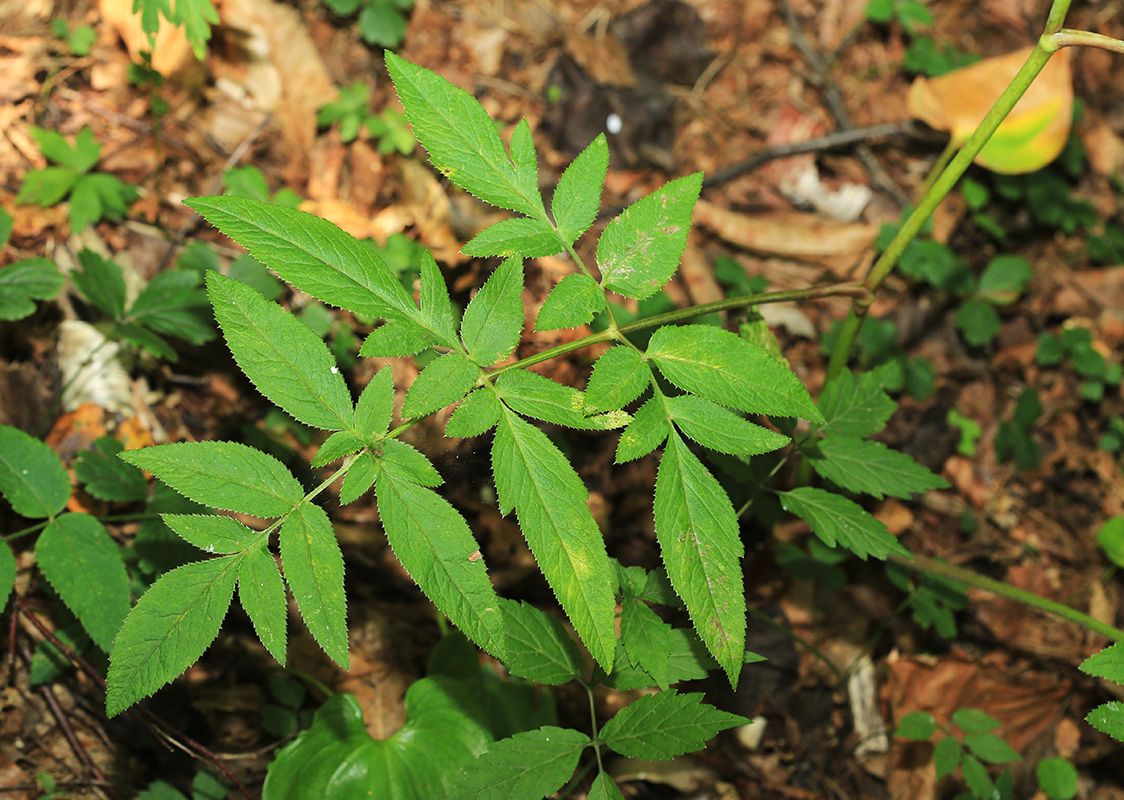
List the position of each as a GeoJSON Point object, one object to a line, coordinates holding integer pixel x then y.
{"type": "Point", "coordinates": [1031, 136]}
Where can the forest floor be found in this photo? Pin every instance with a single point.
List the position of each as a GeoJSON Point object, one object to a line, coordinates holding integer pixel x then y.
{"type": "Point", "coordinates": [679, 92]}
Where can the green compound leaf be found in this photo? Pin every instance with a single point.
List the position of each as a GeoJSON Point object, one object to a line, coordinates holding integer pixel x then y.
{"type": "Point", "coordinates": [918, 726]}
{"type": "Point", "coordinates": [262, 594]}
{"type": "Point", "coordinates": [445, 380]}
{"type": "Point", "coordinates": [403, 461]}
{"type": "Point", "coordinates": [435, 545]}
{"type": "Point", "coordinates": [81, 156]}
{"type": "Point", "coordinates": [83, 564]}
{"type": "Point", "coordinates": [647, 431]}
{"type": "Point", "coordinates": [535, 479]}
{"type": "Point", "coordinates": [519, 236]}
{"type": "Point", "coordinates": [313, 566]}
{"type": "Point", "coordinates": [620, 376]}
{"type": "Point", "coordinates": [336, 446]}
{"type": "Point", "coordinates": [645, 639]}
{"type": "Point", "coordinates": [336, 759]}
{"type": "Point", "coordinates": [460, 138]}
{"type": "Point", "coordinates": [975, 775]}
{"type": "Point", "coordinates": [25, 281]}
{"type": "Point", "coordinates": [837, 519]}
{"type": "Point", "coordinates": [572, 302]}
{"type": "Point", "coordinates": [311, 253]}
{"type": "Point", "coordinates": [665, 725]}
{"type": "Point", "coordinates": [698, 535]}
{"type": "Point", "coordinates": [174, 304]}
{"type": "Point", "coordinates": [359, 478]}
{"type": "Point", "coordinates": [436, 305]}
{"type": "Point", "coordinates": [376, 405]}
{"type": "Point", "coordinates": [212, 533]}
{"type": "Point", "coordinates": [946, 756]}
{"type": "Point", "coordinates": [281, 356]}
{"type": "Point", "coordinates": [106, 477]}
{"type": "Point", "coordinates": [101, 282]}
{"type": "Point", "coordinates": [866, 467]}
{"type": "Point", "coordinates": [990, 748]}
{"type": "Point", "coordinates": [730, 371]}
{"type": "Point", "coordinates": [578, 194]}
{"type": "Point", "coordinates": [168, 629]}
{"type": "Point", "coordinates": [541, 398]}
{"type": "Point", "coordinates": [222, 475]}
{"type": "Point", "coordinates": [478, 413]}
{"type": "Point", "coordinates": [539, 649]}
{"type": "Point", "coordinates": [493, 321]}
{"type": "Point", "coordinates": [603, 788]}
{"type": "Point", "coordinates": [855, 404]}
{"type": "Point", "coordinates": [7, 574]}
{"type": "Point", "coordinates": [32, 477]}
{"type": "Point", "coordinates": [639, 250]}
{"type": "Point", "coordinates": [526, 766]}
{"type": "Point", "coordinates": [47, 187]}
{"type": "Point", "coordinates": [720, 429]}
{"type": "Point", "coordinates": [397, 339]}
{"type": "Point", "coordinates": [687, 660]}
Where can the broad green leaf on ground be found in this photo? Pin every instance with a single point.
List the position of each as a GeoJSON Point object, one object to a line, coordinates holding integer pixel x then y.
{"type": "Point", "coordinates": [535, 479]}
{"type": "Point", "coordinates": [534, 396]}
{"type": "Point", "coordinates": [376, 405]}
{"type": "Point", "coordinates": [639, 250]}
{"type": "Point", "coordinates": [224, 475]}
{"type": "Point", "coordinates": [855, 404]}
{"type": "Point", "coordinates": [973, 720]}
{"type": "Point", "coordinates": [699, 539]}
{"type": "Point", "coordinates": [518, 236]}
{"type": "Point", "coordinates": [97, 196]}
{"type": "Point", "coordinates": [665, 725]}
{"type": "Point", "coordinates": [443, 381]}
{"type": "Point", "coordinates": [946, 756]}
{"type": "Point", "coordinates": [399, 338]}
{"type": "Point", "coordinates": [837, 519]}
{"type": "Point", "coordinates": [572, 302]}
{"type": "Point", "coordinates": [359, 478]}
{"type": "Point", "coordinates": [1058, 778]}
{"type": "Point", "coordinates": [81, 156]}
{"type": "Point", "coordinates": [1004, 279]}
{"type": "Point", "coordinates": [460, 138]}
{"type": "Point", "coordinates": [101, 282]}
{"type": "Point", "coordinates": [174, 304]}
{"type": "Point", "coordinates": [990, 748]}
{"type": "Point", "coordinates": [212, 533]}
{"type": "Point", "coordinates": [645, 638]}
{"type": "Point", "coordinates": [478, 413]}
{"type": "Point", "coordinates": [730, 371]}
{"type": "Point", "coordinates": [311, 253]}
{"type": "Point", "coordinates": [405, 462]}
{"type": "Point", "coordinates": [620, 376]}
{"type": "Point", "coordinates": [436, 306]}
{"type": "Point", "coordinates": [337, 759]}
{"type": "Point", "coordinates": [918, 726]}
{"type": "Point", "coordinates": [168, 629]}
{"type": "Point", "coordinates": [978, 321]}
{"type": "Point", "coordinates": [47, 187]}
{"type": "Point", "coordinates": [720, 429]}
{"type": "Point", "coordinates": [866, 467]}
{"type": "Point", "coordinates": [262, 594]}
{"type": "Point", "coordinates": [493, 321]}
{"type": "Point", "coordinates": [647, 431]}
{"type": "Point", "coordinates": [435, 545]}
{"type": "Point", "coordinates": [1110, 537]}
{"type": "Point", "coordinates": [313, 568]}
{"type": "Point", "coordinates": [539, 649]}
{"type": "Point", "coordinates": [526, 766]}
{"type": "Point", "coordinates": [24, 282]}
{"type": "Point", "coordinates": [281, 356]}
{"type": "Point", "coordinates": [83, 564]}
{"type": "Point", "coordinates": [7, 574]}
{"type": "Point", "coordinates": [107, 477]}
{"type": "Point", "coordinates": [578, 194]}
{"type": "Point", "coordinates": [32, 477]}
{"type": "Point", "coordinates": [338, 445]}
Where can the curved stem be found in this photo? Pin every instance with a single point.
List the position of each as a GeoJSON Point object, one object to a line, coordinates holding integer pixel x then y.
{"type": "Point", "coordinates": [1070, 38]}
{"type": "Point", "coordinates": [934, 567]}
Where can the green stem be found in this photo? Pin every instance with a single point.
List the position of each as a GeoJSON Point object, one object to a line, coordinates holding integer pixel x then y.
{"type": "Point", "coordinates": [934, 567]}
{"type": "Point", "coordinates": [1070, 38]}
{"type": "Point", "coordinates": [942, 186]}
{"type": "Point", "coordinates": [679, 315]}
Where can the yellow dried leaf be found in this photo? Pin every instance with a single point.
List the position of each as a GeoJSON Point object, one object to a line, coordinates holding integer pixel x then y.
{"type": "Point", "coordinates": [1031, 136]}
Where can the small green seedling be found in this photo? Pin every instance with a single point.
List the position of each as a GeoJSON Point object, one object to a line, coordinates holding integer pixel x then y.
{"type": "Point", "coordinates": [350, 111]}
{"type": "Point", "coordinates": [879, 351]}
{"type": "Point", "coordinates": [1111, 539]}
{"type": "Point", "coordinates": [1107, 247]}
{"type": "Point", "coordinates": [934, 600]}
{"type": "Point", "coordinates": [392, 132]}
{"type": "Point", "coordinates": [1090, 364]}
{"type": "Point", "coordinates": [382, 23]}
{"type": "Point", "coordinates": [968, 745]}
{"type": "Point", "coordinates": [1112, 440]}
{"type": "Point", "coordinates": [195, 17]}
{"type": "Point", "coordinates": [1014, 440]}
{"type": "Point", "coordinates": [970, 432]}
{"type": "Point", "coordinates": [78, 39]}
{"type": "Point", "coordinates": [912, 15]}
{"type": "Point", "coordinates": [93, 195]}
{"type": "Point", "coordinates": [249, 182]}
